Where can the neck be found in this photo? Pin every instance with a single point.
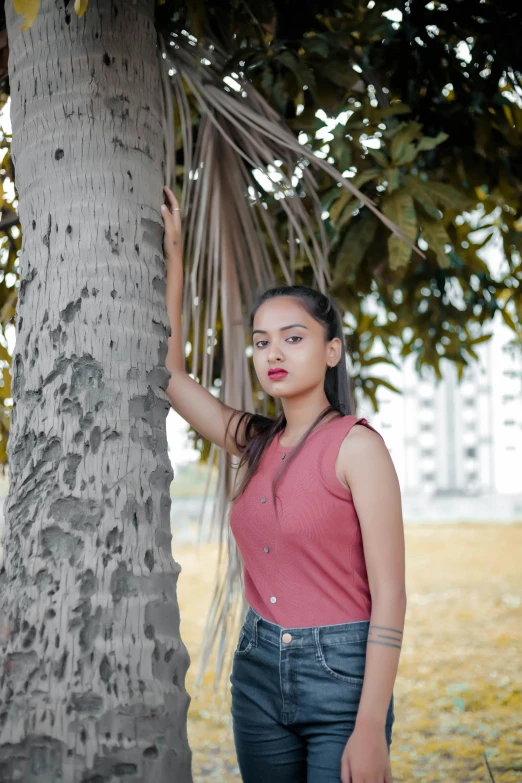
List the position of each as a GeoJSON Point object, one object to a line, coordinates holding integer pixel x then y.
{"type": "Point", "coordinates": [301, 412]}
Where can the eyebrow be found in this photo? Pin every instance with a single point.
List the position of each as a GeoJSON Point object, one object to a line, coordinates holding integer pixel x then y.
{"type": "Point", "coordinates": [283, 328]}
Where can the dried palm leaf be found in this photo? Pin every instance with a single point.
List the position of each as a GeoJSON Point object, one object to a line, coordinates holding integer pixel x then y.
{"type": "Point", "coordinates": [228, 264]}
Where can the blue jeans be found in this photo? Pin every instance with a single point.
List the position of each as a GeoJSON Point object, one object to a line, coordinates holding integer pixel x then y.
{"type": "Point", "coordinates": [295, 695]}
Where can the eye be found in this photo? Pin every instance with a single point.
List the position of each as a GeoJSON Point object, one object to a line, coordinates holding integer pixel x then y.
{"type": "Point", "coordinates": [262, 343]}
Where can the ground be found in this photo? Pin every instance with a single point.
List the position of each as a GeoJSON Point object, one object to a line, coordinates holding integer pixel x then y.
{"type": "Point", "coordinates": [458, 693]}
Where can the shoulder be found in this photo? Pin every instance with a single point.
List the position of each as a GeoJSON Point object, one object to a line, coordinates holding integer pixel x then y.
{"type": "Point", "coordinates": [362, 439]}
{"type": "Point", "coordinates": [363, 449]}
{"type": "Point", "coordinates": [362, 432]}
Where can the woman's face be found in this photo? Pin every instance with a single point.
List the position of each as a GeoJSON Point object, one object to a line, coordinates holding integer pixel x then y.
{"type": "Point", "coordinates": [287, 339]}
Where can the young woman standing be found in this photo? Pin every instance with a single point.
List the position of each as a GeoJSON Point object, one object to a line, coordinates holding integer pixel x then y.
{"type": "Point", "coordinates": [318, 523]}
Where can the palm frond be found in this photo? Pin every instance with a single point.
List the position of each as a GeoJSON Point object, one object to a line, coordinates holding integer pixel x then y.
{"type": "Point", "coordinates": [229, 262]}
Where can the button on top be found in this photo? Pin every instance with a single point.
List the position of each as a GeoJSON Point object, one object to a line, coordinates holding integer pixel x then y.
{"type": "Point", "coordinates": [273, 600]}
{"type": "Point", "coordinates": [263, 500]}
{"type": "Point", "coordinates": [287, 638]}
{"type": "Point", "coordinates": [266, 549]}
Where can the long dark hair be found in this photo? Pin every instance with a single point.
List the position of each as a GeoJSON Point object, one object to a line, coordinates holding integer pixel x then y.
{"type": "Point", "coordinates": [260, 431]}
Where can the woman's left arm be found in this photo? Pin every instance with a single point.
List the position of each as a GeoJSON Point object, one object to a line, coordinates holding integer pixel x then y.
{"type": "Point", "coordinates": [366, 464]}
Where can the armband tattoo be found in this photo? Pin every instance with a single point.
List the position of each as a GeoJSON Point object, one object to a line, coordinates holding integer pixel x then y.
{"type": "Point", "coordinates": [380, 634]}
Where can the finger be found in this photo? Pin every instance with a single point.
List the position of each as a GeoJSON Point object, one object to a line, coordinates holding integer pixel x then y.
{"type": "Point", "coordinates": [170, 199]}
{"type": "Point", "coordinates": [171, 218]}
{"type": "Point", "coordinates": [345, 772]}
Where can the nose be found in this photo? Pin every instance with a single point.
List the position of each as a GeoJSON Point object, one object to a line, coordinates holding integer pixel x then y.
{"type": "Point", "coordinates": [274, 352]}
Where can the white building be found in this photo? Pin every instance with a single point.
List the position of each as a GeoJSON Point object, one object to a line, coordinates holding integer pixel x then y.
{"type": "Point", "coordinates": [456, 446]}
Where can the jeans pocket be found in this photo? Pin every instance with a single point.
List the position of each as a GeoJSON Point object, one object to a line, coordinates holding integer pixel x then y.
{"type": "Point", "coordinates": [245, 642]}
{"type": "Point", "coordinates": [344, 662]}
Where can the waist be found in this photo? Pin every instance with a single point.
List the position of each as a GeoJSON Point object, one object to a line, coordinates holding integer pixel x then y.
{"type": "Point", "coordinates": [339, 633]}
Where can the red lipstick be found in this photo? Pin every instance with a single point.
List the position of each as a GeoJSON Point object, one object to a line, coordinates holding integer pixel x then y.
{"type": "Point", "coordinates": [277, 374]}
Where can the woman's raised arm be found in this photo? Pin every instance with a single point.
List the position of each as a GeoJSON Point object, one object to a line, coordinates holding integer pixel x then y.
{"type": "Point", "coordinates": [206, 414]}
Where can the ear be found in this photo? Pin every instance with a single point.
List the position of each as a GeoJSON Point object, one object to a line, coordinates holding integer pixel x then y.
{"type": "Point", "coordinates": [333, 352]}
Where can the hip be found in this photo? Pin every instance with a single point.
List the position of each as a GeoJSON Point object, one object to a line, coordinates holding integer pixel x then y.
{"type": "Point", "coordinates": [312, 674]}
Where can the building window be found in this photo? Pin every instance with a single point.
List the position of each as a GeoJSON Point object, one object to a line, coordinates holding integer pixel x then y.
{"type": "Point", "coordinates": [471, 452]}
{"type": "Point", "coordinates": [426, 403]}
{"type": "Point", "coordinates": [428, 476]}
{"type": "Point", "coordinates": [426, 427]}
{"type": "Point", "coordinates": [426, 452]}
{"type": "Point", "coordinates": [469, 402]}
{"type": "Point", "coordinates": [509, 422]}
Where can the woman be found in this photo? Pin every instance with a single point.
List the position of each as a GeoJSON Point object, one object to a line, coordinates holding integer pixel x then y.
{"type": "Point", "coordinates": [318, 522]}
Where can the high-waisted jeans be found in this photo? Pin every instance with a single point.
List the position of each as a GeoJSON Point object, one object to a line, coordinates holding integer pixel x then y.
{"type": "Point", "coordinates": [295, 695]}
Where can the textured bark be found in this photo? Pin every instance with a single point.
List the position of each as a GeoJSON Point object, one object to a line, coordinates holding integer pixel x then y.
{"type": "Point", "coordinates": [92, 676]}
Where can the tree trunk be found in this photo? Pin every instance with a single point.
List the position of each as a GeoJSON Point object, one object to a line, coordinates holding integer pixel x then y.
{"type": "Point", "coordinates": [92, 676]}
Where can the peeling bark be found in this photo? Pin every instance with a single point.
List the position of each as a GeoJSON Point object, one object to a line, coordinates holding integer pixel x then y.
{"type": "Point", "coordinates": [92, 676]}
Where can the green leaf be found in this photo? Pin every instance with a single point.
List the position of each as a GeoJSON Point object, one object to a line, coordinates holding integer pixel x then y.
{"type": "Point", "coordinates": [339, 72]}
{"type": "Point", "coordinates": [430, 142]}
{"type": "Point", "coordinates": [345, 196]}
{"type": "Point", "coordinates": [392, 177]}
{"type": "Point", "coordinates": [379, 157]}
{"type": "Point", "coordinates": [377, 360]}
{"type": "Point", "coordinates": [449, 197]}
{"type": "Point", "coordinates": [315, 44]}
{"type": "Point", "coordinates": [408, 155]}
{"type": "Point", "coordinates": [421, 193]}
{"type": "Point", "coordinates": [4, 354]}
{"type": "Point", "coordinates": [343, 208]}
{"type": "Point", "coordinates": [398, 206]}
{"type": "Point", "coordinates": [436, 236]}
{"type": "Point", "coordinates": [354, 245]}
{"type": "Point", "coordinates": [382, 382]}
{"type": "Point", "coordinates": [365, 176]}
{"type": "Point", "coordinates": [401, 149]}
{"type": "Point", "coordinates": [394, 109]}
{"type": "Point", "coordinates": [389, 386]}
{"type": "Point", "coordinates": [508, 320]}
{"type": "Point", "coordinates": [482, 339]}
{"type": "Point", "coordinates": [301, 73]}
{"type": "Point", "coordinates": [6, 388]}
{"type": "Point", "coordinates": [330, 196]}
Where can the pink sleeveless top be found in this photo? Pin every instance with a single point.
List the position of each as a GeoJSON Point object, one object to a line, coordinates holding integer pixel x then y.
{"type": "Point", "coordinates": [306, 567]}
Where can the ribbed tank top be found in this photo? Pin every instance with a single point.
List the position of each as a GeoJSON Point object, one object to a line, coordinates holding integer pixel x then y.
{"type": "Point", "coordinates": [306, 567]}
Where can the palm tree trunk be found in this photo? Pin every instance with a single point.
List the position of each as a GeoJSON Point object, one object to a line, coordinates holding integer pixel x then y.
{"type": "Point", "coordinates": [92, 676]}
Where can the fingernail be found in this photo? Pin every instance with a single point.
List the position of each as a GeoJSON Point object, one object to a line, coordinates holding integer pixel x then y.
{"type": "Point", "coordinates": [163, 207]}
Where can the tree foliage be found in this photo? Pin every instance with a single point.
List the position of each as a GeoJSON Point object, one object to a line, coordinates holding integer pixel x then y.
{"type": "Point", "coordinates": [420, 106]}
{"type": "Point", "coordinates": [424, 113]}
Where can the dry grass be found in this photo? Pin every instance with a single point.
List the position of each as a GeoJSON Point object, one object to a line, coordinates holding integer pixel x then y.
{"type": "Point", "coordinates": [458, 692]}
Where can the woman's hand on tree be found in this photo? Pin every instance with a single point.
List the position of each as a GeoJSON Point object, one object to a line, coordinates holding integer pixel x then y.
{"type": "Point", "coordinates": [172, 239]}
